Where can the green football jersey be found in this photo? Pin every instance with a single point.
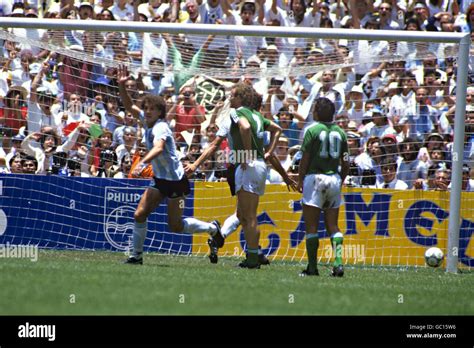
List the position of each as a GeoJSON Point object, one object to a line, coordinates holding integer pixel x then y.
{"type": "Point", "coordinates": [258, 125]}
{"type": "Point", "coordinates": [325, 142]}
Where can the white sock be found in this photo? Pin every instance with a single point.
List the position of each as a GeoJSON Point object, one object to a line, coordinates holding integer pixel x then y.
{"type": "Point", "coordinates": [230, 225]}
{"type": "Point", "coordinates": [192, 226]}
{"type": "Point", "coordinates": [139, 234]}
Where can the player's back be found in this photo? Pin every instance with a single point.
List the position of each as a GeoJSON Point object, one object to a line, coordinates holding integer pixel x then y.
{"type": "Point", "coordinates": [325, 142]}
{"type": "Point", "coordinates": [258, 124]}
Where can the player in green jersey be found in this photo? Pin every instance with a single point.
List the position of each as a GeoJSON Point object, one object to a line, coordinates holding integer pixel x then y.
{"type": "Point", "coordinates": [232, 222]}
{"type": "Point", "coordinates": [324, 151]}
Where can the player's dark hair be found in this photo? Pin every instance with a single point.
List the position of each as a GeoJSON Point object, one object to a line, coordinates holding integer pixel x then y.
{"type": "Point", "coordinates": [157, 102]}
{"type": "Point", "coordinates": [325, 109]}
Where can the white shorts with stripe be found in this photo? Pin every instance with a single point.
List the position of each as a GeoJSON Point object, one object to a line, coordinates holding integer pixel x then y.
{"type": "Point", "coordinates": [322, 191]}
{"type": "Point", "coordinates": [252, 179]}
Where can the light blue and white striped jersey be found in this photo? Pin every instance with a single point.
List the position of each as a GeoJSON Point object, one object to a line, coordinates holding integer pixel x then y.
{"type": "Point", "coordinates": [167, 165]}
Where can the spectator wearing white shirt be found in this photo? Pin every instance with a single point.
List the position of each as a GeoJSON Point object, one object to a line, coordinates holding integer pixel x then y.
{"type": "Point", "coordinates": [5, 7]}
{"type": "Point", "coordinates": [386, 19]}
{"type": "Point", "coordinates": [403, 103]}
{"type": "Point", "coordinates": [324, 89]}
{"type": "Point", "coordinates": [423, 119]}
{"type": "Point", "coordinates": [410, 168]}
{"type": "Point", "coordinates": [389, 173]}
{"type": "Point", "coordinates": [42, 109]}
{"type": "Point", "coordinates": [129, 143]}
{"type": "Point", "coordinates": [381, 125]}
{"type": "Point", "coordinates": [273, 177]}
{"type": "Point", "coordinates": [297, 15]}
{"type": "Point", "coordinates": [45, 144]}
{"type": "Point", "coordinates": [74, 110]}
{"type": "Point", "coordinates": [15, 149]}
{"type": "Point", "coordinates": [102, 5]}
{"type": "Point", "coordinates": [129, 121]}
{"type": "Point", "coordinates": [153, 8]}
{"type": "Point", "coordinates": [22, 75]}
{"type": "Point", "coordinates": [275, 97]}
{"type": "Point", "coordinates": [467, 182]}
{"type": "Point", "coordinates": [122, 10]}
{"type": "Point", "coordinates": [156, 82]}
{"type": "Point", "coordinates": [368, 163]}
{"type": "Point", "coordinates": [355, 104]}
{"type": "Point", "coordinates": [243, 47]}
{"type": "Point", "coordinates": [367, 52]}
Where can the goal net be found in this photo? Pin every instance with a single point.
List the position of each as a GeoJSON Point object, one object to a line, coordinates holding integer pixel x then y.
{"type": "Point", "coordinates": [395, 99]}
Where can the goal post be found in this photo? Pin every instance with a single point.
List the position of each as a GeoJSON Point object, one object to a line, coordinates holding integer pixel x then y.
{"type": "Point", "coordinates": [463, 42]}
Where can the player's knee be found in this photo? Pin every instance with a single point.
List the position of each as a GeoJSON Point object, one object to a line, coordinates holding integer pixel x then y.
{"type": "Point", "coordinates": [246, 220]}
{"type": "Point", "coordinates": [176, 226]}
{"type": "Point", "coordinates": [139, 216]}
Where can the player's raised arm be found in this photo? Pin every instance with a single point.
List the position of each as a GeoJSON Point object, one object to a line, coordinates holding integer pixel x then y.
{"type": "Point", "coordinates": [122, 77]}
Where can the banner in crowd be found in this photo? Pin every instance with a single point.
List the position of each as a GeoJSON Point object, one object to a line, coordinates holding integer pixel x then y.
{"type": "Point", "coordinates": [381, 227]}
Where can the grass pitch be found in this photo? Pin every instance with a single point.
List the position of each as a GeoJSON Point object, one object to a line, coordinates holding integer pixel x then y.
{"type": "Point", "coordinates": [96, 283]}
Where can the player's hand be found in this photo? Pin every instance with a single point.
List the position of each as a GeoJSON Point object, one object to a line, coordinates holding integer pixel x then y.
{"type": "Point", "coordinates": [291, 185]}
{"type": "Point", "coordinates": [299, 187]}
{"type": "Point", "coordinates": [189, 169]}
{"type": "Point", "coordinates": [137, 171]}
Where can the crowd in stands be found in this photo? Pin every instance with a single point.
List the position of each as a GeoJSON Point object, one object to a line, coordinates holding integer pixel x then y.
{"type": "Point", "coordinates": [62, 115]}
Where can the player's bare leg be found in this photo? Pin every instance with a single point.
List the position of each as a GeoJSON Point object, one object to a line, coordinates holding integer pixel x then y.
{"type": "Point", "coordinates": [247, 204]}
{"type": "Point", "coordinates": [331, 216]}
{"type": "Point", "coordinates": [229, 226]}
{"type": "Point", "coordinates": [150, 200]}
{"type": "Point", "coordinates": [311, 219]}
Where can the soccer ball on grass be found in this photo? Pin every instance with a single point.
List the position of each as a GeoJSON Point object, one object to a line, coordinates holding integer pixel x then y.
{"type": "Point", "coordinates": [434, 256]}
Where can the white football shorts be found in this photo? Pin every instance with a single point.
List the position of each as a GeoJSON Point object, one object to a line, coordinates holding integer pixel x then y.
{"type": "Point", "coordinates": [253, 178]}
{"type": "Point", "coordinates": [322, 191]}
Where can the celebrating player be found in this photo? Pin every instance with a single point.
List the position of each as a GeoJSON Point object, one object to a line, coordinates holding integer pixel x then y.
{"type": "Point", "coordinates": [169, 180]}
{"type": "Point", "coordinates": [232, 222]}
{"type": "Point", "coordinates": [247, 130]}
{"type": "Point", "coordinates": [324, 149]}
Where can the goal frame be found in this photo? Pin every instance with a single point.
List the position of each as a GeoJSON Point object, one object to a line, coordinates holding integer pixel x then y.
{"type": "Point", "coordinates": [462, 39]}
